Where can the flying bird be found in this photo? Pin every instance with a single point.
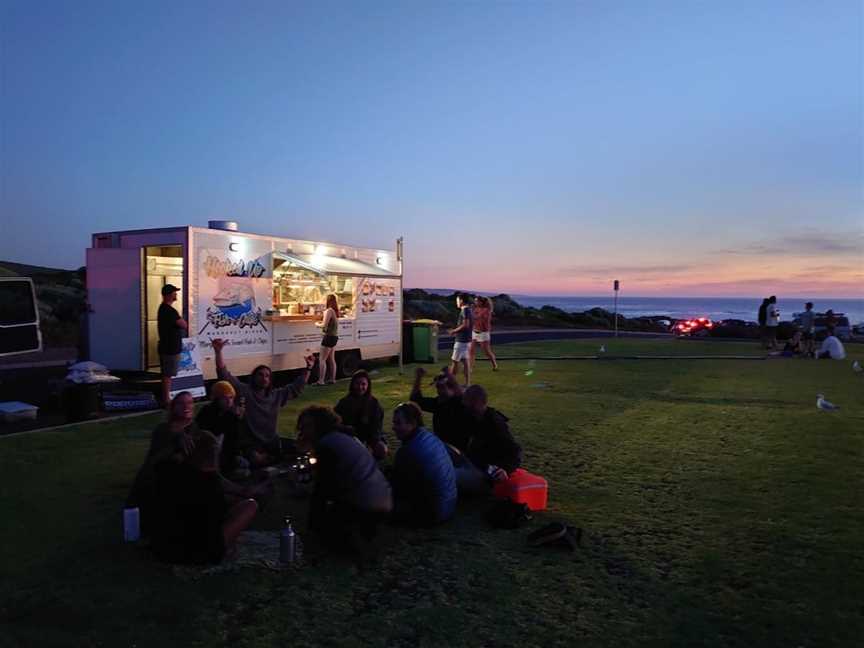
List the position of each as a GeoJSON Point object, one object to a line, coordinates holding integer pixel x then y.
{"type": "Point", "coordinates": [825, 405]}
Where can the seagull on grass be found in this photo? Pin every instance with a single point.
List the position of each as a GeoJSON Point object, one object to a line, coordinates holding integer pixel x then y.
{"type": "Point", "coordinates": [602, 348]}
{"type": "Point", "coordinates": [825, 405]}
{"type": "Point", "coordinates": [857, 368]}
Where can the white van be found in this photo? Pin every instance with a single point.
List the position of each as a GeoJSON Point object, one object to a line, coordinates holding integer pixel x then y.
{"type": "Point", "coordinates": [19, 317]}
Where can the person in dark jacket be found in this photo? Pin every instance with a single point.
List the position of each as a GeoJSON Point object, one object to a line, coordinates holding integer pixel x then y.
{"type": "Point", "coordinates": [192, 523]}
{"type": "Point", "coordinates": [360, 411]}
{"type": "Point", "coordinates": [171, 441]}
{"type": "Point", "coordinates": [450, 421]}
{"type": "Point", "coordinates": [762, 318]}
{"type": "Point", "coordinates": [423, 477]}
{"type": "Point", "coordinates": [491, 452]}
{"type": "Point", "coordinates": [351, 494]}
{"type": "Point", "coordinates": [222, 417]}
{"type": "Point", "coordinates": [491, 444]}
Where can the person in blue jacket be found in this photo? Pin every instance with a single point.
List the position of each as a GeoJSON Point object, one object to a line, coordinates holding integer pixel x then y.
{"type": "Point", "coordinates": [423, 477]}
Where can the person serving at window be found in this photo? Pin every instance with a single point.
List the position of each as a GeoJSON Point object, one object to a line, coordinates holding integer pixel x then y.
{"type": "Point", "coordinates": [330, 328]}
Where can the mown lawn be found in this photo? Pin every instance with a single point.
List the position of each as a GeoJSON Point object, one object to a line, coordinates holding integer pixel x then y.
{"type": "Point", "coordinates": [720, 508]}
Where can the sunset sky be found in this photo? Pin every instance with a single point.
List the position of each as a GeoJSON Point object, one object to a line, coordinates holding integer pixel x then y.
{"type": "Point", "coordinates": [685, 148]}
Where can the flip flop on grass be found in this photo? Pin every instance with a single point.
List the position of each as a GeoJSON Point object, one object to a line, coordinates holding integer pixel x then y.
{"type": "Point", "coordinates": [547, 534]}
{"type": "Point", "coordinates": [556, 534]}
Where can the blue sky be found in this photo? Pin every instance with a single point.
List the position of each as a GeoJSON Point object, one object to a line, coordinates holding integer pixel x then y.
{"type": "Point", "coordinates": [685, 147]}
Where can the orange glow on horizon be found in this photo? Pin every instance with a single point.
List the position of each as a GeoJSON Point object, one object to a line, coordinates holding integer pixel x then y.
{"type": "Point", "coordinates": [722, 278]}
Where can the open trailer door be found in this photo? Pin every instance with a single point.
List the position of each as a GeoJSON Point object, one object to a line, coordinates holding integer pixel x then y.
{"type": "Point", "coordinates": [116, 316]}
{"type": "Point", "coordinates": [19, 317]}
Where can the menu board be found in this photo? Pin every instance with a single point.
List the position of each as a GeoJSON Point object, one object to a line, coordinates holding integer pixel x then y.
{"type": "Point", "coordinates": [378, 296]}
{"type": "Point", "coordinates": [378, 321]}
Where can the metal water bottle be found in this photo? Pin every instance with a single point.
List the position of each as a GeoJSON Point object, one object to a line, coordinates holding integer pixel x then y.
{"type": "Point", "coordinates": [287, 544]}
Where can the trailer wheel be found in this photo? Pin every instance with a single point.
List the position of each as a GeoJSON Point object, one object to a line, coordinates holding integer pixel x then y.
{"type": "Point", "coordinates": [314, 371]}
{"type": "Point", "coordinates": [347, 362]}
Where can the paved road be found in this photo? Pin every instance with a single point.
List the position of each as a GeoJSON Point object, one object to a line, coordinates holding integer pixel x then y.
{"type": "Point", "coordinates": [535, 335]}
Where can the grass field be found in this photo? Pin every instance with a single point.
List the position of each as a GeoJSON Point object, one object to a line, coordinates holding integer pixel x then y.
{"type": "Point", "coordinates": [720, 508]}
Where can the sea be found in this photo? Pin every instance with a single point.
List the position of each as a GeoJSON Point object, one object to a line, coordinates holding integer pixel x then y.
{"type": "Point", "coordinates": [716, 308]}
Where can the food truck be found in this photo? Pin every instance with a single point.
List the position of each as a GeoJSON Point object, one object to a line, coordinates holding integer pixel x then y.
{"type": "Point", "coordinates": [265, 295]}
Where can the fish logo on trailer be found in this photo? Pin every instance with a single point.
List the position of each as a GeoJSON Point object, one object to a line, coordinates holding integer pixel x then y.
{"type": "Point", "coordinates": [233, 295]}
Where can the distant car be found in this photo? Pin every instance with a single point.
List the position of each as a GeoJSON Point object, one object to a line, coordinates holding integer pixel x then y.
{"type": "Point", "coordinates": [695, 327]}
{"type": "Point", "coordinates": [842, 329]}
{"type": "Point", "coordinates": [736, 322]}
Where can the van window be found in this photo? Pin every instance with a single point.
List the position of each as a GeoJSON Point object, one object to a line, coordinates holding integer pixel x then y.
{"type": "Point", "coordinates": [16, 303]}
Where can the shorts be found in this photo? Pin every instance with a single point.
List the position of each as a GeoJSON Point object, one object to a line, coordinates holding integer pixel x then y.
{"type": "Point", "coordinates": [329, 341]}
{"type": "Point", "coordinates": [460, 351]}
{"type": "Point", "coordinates": [481, 336]}
{"type": "Point", "coordinates": [808, 335]}
{"type": "Point", "coordinates": [169, 364]}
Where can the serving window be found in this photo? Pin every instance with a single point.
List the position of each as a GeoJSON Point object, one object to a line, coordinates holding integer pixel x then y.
{"type": "Point", "coordinates": [300, 290]}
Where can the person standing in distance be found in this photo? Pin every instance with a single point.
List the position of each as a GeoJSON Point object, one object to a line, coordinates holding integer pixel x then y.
{"type": "Point", "coordinates": [772, 321]}
{"type": "Point", "coordinates": [462, 339]}
{"type": "Point", "coordinates": [171, 329]}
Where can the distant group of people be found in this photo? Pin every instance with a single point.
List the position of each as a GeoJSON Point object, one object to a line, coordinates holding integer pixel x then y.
{"type": "Point", "coordinates": [802, 343]}
{"type": "Point", "coordinates": [190, 494]}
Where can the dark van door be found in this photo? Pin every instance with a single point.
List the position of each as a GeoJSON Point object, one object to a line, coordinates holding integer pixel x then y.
{"type": "Point", "coordinates": [19, 317]}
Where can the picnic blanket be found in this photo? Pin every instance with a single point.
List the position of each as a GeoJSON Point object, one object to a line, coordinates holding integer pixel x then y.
{"type": "Point", "coordinates": [255, 550]}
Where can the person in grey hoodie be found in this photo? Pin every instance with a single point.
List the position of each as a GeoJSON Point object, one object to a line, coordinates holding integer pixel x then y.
{"type": "Point", "coordinates": [259, 437]}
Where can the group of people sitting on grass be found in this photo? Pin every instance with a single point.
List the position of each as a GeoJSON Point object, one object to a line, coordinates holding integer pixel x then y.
{"type": "Point", "coordinates": [799, 347]}
{"type": "Point", "coordinates": [802, 344]}
{"type": "Point", "coordinates": [192, 494]}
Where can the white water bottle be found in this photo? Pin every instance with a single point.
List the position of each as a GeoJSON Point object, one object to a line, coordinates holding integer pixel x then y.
{"type": "Point", "coordinates": [131, 525]}
{"type": "Point", "coordinates": [287, 548]}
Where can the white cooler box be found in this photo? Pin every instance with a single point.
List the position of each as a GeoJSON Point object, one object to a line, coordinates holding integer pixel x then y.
{"type": "Point", "coordinates": [12, 411]}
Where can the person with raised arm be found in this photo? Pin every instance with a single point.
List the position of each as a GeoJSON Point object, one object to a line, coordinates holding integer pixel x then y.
{"type": "Point", "coordinates": [259, 437]}
{"type": "Point", "coordinates": [450, 421]}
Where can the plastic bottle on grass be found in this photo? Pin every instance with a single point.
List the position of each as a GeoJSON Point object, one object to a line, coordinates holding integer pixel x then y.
{"type": "Point", "coordinates": [131, 525]}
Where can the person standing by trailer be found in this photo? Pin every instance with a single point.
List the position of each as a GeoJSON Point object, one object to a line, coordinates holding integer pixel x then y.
{"type": "Point", "coordinates": [327, 354]}
{"type": "Point", "coordinates": [171, 328]}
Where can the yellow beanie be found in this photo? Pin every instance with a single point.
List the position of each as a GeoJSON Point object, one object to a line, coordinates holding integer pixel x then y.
{"type": "Point", "coordinates": [222, 388]}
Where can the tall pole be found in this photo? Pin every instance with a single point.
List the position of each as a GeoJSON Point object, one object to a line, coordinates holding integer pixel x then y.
{"type": "Point", "coordinates": [615, 287]}
{"type": "Point", "coordinates": [401, 303]}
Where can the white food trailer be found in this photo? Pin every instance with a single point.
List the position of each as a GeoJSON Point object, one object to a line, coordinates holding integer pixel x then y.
{"type": "Point", "coordinates": [263, 294]}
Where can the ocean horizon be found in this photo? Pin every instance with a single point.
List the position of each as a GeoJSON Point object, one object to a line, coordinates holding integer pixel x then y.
{"type": "Point", "coordinates": [717, 308]}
